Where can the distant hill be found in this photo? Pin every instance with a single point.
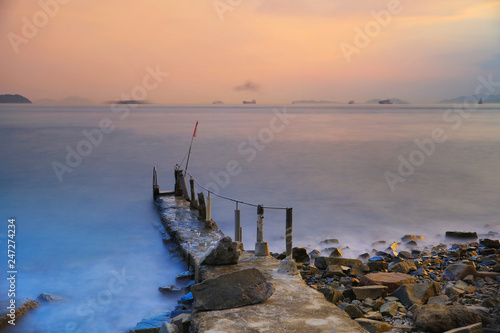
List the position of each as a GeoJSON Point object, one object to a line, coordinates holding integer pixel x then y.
{"type": "Point", "coordinates": [461, 99]}
{"type": "Point", "coordinates": [14, 99]}
{"type": "Point", "coordinates": [311, 101]}
{"type": "Point", "coordinates": [393, 100]}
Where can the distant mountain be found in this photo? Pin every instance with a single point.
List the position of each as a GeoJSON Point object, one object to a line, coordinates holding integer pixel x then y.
{"type": "Point", "coordinates": [393, 101]}
{"type": "Point", "coordinates": [311, 101]}
{"type": "Point", "coordinates": [461, 99]}
{"type": "Point", "coordinates": [14, 99]}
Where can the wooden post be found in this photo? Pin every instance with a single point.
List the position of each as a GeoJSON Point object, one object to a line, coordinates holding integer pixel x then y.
{"type": "Point", "coordinates": [201, 206]}
{"type": "Point", "coordinates": [208, 208]}
{"type": "Point", "coordinates": [194, 202]}
{"type": "Point", "coordinates": [261, 247]}
{"type": "Point", "coordinates": [289, 233]}
{"type": "Point", "coordinates": [178, 188]}
{"type": "Point", "coordinates": [237, 224]}
{"type": "Point", "coordinates": [156, 188]}
{"type": "Point", "coordinates": [182, 180]}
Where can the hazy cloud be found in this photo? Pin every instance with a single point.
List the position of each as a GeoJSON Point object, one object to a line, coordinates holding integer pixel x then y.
{"type": "Point", "coordinates": [247, 86]}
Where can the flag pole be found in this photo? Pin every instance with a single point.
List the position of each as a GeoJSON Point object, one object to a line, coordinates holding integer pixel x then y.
{"type": "Point", "coordinates": [191, 145]}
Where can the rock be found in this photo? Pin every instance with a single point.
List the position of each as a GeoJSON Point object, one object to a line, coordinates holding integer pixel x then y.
{"type": "Point", "coordinates": [491, 243]}
{"type": "Point", "coordinates": [438, 318]}
{"type": "Point", "coordinates": [406, 238]}
{"type": "Point", "coordinates": [333, 270]}
{"type": "Point", "coordinates": [373, 326]}
{"type": "Point", "coordinates": [454, 291]}
{"type": "Point", "coordinates": [379, 243]}
{"type": "Point", "coordinates": [372, 292]}
{"type": "Point", "coordinates": [393, 246]}
{"type": "Point", "coordinates": [457, 272]}
{"type": "Point", "coordinates": [182, 322]}
{"type": "Point", "coordinates": [374, 315]}
{"type": "Point", "coordinates": [441, 299]}
{"type": "Point", "coordinates": [187, 275]}
{"type": "Point", "coordinates": [489, 302]}
{"type": "Point", "coordinates": [49, 298]}
{"type": "Point", "coordinates": [336, 253]}
{"type": "Point", "coordinates": [324, 262]}
{"type": "Point", "coordinates": [314, 253]}
{"type": "Point", "coordinates": [329, 241]}
{"type": "Point", "coordinates": [232, 290]}
{"type": "Point", "coordinates": [170, 289]}
{"type": "Point", "coordinates": [300, 254]}
{"type": "Point", "coordinates": [359, 269]}
{"type": "Point", "coordinates": [21, 307]}
{"type": "Point", "coordinates": [389, 309]}
{"type": "Point", "coordinates": [474, 328]}
{"type": "Point", "coordinates": [392, 280]}
{"type": "Point", "coordinates": [416, 293]}
{"type": "Point", "coordinates": [225, 252]}
{"type": "Point", "coordinates": [328, 292]}
{"type": "Point", "coordinates": [337, 296]}
{"type": "Point", "coordinates": [187, 299]}
{"type": "Point", "coordinates": [402, 266]}
{"type": "Point", "coordinates": [352, 310]}
{"type": "Point", "coordinates": [364, 256]}
{"type": "Point", "coordinates": [167, 327]}
{"type": "Point", "coordinates": [461, 234]}
{"type": "Point", "coordinates": [152, 323]}
{"type": "Point", "coordinates": [404, 255]}
{"type": "Point", "coordinates": [469, 278]}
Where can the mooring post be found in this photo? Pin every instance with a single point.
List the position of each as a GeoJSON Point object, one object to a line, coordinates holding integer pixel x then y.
{"type": "Point", "coordinates": [289, 233]}
{"type": "Point", "coordinates": [194, 203]}
{"type": "Point", "coordinates": [182, 180]}
{"type": "Point", "coordinates": [156, 188]}
{"type": "Point", "coordinates": [201, 206]}
{"type": "Point", "coordinates": [209, 208]}
{"type": "Point", "coordinates": [237, 224]}
{"type": "Point", "coordinates": [261, 247]}
{"type": "Point", "coordinates": [178, 188]}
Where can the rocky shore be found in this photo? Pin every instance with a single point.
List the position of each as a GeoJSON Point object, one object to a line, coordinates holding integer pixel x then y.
{"type": "Point", "coordinates": [411, 287]}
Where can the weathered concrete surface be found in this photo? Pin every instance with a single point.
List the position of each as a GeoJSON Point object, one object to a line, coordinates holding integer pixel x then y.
{"type": "Point", "coordinates": [293, 307]}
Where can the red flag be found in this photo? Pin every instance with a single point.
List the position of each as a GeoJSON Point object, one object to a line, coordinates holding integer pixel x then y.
{"type": "Point", "coordinates": [195, 128]}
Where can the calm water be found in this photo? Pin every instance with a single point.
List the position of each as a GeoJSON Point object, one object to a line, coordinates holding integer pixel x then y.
{"type": "Point", "coordinates": [92, 238]}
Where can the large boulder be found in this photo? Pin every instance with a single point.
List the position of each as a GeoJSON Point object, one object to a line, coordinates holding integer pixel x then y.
{"type": "Point", "coordinates": [300, 254]}
{"type": "Point", "coordinates": [461, 234]}
{"type": "Point", "coordinates": [416, 293]}
{"type": "Point", "coordinates": [392, 280]}
{"type": "Point", "coordinates": [457, 272]}
{"type": "Point", "coordinates": [437, 318]}
{"type": "Point", "coordinates": [232, 290]}
{"type": "Point", "coordinates": [324, 262]}
{"type": "Point", "coordinates": [226, 252]}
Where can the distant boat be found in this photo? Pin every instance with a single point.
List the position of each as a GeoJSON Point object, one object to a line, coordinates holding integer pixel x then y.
{"type": "Point", "coordinates": [217, 102]}
{"type": "Point", "coordinates": [385, 101]}
{"type": "Point", "coordinates": [351, 102]}
{"type": "Point", "coordinates": [251, 102]}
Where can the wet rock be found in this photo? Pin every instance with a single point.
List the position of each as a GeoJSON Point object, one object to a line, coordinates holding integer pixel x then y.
{"type": "Point", "coordinates": [352, 310]}
{"type": "Point", "coordinates": [331, 241]}
{"type": "Point", "coordinates": [416, 293]}
{"type": "Point", "coordinates": [314, 254]}
{"type": "Point", "coordinates": [457, 272]}
{"type": "Point", "coordinates": [372, 292]}
{"type": "Point", "coordinates": [461, 234]}
{"type": "Point", "coordinates": [225, 252]}
{"type": "Point", "coordinates": [474, 328]}
{"type": "Point", "coordinates": [374, 326]}
{"type": "Point", "coordinates": [300, 254]}
{"type": "Point", "coordinates": [333, 270]}
{"type": "Point", "coordinates": [170, 289]}
{"type": "Point", "coordinates": [182, 322]}
{"type": "Point", "coordinates": [152, 323]}
{"type": "Point", "coordinates": [406, 238]}
{"type": "Point", "coordinates": [232, 290]}
{"type": "Point", "coordinates": [392, 280]}
{"type": "Point", "coordinates": [167, 327]}
{"type": "Point", "coordinates": [49, 298]}
{"type": "Point", "coordinates": [336, 253]}
{"type": "Point", "coordinates": [187, 275]}
{"type": "Point", "coordinates": [404, 255]}
{"type": "Point", "coordinates": [402, 266]}
{"type": "Point", "coordinates": [187, 299]}
{"type": "Point", "coordinates": [323, 262]}
{"type": "Point", "coordinates": [438, 318]}
{"type": "Point", "coordinates": [389, 309]}
{"type": "Point", "coordinates": [364, 256]}
{"type": "Point", "coordinates": [491, 243]}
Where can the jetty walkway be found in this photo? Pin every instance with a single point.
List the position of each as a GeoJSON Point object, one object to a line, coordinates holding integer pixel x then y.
{"type": "Point", "coordinates": [293, 307]}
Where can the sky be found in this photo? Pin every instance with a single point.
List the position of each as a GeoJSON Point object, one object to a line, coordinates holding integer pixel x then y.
{"type": "Point", "coordinates": [274, 51]}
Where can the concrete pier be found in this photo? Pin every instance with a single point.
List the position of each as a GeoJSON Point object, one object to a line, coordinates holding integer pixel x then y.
{"type": "Point", "coordinates": [294, 307]}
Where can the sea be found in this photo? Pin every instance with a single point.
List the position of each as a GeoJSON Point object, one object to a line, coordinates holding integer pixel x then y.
{"type": "Point", "coordinates": [77, 180]}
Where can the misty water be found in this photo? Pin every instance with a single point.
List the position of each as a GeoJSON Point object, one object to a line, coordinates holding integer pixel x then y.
{"type": "Point", "coordinates": [91, 235]}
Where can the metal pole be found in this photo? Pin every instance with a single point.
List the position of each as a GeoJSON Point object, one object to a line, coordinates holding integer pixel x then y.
{"type": "Point", "coordinates": [237, 224]}
{"type": "Point", "coordinates": [289, 233]}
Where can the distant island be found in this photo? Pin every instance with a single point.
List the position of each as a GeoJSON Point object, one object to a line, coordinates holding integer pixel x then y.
{"type": "Point", "coordinates": [392, 101]}
{"type": "Point", "coordinates": [311, 101]}
{"type": "Point", "coordinates": [131, 101]}
{"type": "Point", "coordinates": [7, 98]}
{"type": "Point", "coordinates": [484, 99]}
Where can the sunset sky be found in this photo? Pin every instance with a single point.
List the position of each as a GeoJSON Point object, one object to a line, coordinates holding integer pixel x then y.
{"type": "Point", "coordinates": [274, 51]}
